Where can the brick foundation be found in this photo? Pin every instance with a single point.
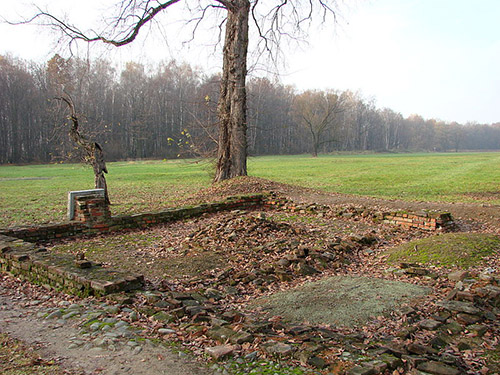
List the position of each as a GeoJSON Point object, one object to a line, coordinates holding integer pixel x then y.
{"type": "Point", "coordinates": [62, 271]}
{"type": "Point", "coordinates": [425, 220]}
{"type": "Point", "coordinates": [92, 216]}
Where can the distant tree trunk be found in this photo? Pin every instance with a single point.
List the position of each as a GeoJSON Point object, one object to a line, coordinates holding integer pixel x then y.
{"type": "Point", "coordinates": [232, 105]}
{"type": "Point", "coordinates": [93, 151]}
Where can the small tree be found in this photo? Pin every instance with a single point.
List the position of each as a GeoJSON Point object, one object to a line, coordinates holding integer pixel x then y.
{"type": "Point", "coordinates": [92, 151]}
{"type": "Point", "coordinates": [316, 111]}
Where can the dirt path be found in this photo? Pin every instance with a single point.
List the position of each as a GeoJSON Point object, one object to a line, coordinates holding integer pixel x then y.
{"type": "Point", "coordinates": [20, 319]}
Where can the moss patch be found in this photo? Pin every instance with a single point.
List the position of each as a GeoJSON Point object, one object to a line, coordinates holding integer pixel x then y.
{"type": "Point", "coordinates": [451, 249]}
{"type": "Point", "coordinates": [340, 300]}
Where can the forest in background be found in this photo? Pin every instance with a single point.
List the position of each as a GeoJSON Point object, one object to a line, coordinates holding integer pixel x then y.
{"type": "Point", "coordinates": [169, 111]}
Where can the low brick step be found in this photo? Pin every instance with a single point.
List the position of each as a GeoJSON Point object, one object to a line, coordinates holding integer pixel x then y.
{"type": "Point", "coordinates": [62, 271]}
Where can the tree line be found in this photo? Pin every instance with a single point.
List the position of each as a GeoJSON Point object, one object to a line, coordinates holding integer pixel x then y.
{"type": "Point", "coordinates": [169, 110]}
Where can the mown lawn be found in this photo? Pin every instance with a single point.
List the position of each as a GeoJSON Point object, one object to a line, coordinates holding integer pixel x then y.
{"type": "Point", "coordinates": [38, 193]}
{"type": "Point", "coordinates": [460, 177]}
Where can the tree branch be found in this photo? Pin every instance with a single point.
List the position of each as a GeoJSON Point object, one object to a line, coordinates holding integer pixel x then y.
{"type": "Point", "coordinates": [76, 34]}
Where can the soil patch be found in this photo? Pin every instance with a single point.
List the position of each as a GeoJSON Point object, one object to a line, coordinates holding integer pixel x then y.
{"type": "Point", "coordinates": [341, 300]}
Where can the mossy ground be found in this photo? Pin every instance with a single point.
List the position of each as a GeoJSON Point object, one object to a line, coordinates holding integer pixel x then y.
{"type": "Point", "coordinates": [340, 300]}
{"type": "Point", "coordinates": [461, 250]}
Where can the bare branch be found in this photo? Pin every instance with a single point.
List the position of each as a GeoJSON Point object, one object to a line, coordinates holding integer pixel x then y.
{"type": "Point", "coordinates": [131, 34]}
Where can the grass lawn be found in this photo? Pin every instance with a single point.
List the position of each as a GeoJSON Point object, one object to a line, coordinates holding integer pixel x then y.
{"type": "Point", "coordinates": [460, 177]}
{"type": "Point", "coordinates": [38, 193]}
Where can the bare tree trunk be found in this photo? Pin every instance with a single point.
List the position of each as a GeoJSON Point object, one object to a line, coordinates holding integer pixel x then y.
{"type": "Point", "coordinates": [93, 151]}
{"type": "Point", "coordinates": [232, 105]}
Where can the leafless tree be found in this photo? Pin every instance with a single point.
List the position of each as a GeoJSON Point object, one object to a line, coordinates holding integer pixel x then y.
{"type": "Point", "coordinates": [273, 20]}
{"type": "Point", "coordinates": [317, 112]}
{"type": "Point", "coordinates": [93, 154]}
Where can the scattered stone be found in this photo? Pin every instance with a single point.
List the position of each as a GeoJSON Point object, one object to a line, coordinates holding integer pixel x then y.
{"type": "Point", "coordinates": [181, 296]}
{"type": "Point", "coordinates": [395, 349]}
{"type": "Point", "coordinates": [190, 302]}
{"type": "Point", "coordinates": [134, 316]}
{"type": "Point", "coordinates": [220, 351]}
{"type": "Point", "coordinates": [391, 361]}
{"type": "Point", "coordinates": [70, 315]}
{"type": "Point", "coordinates": [438, 342]}
{"type": "Point", "coordinates": [283, 276]}
{"type": "Point", "coordinates": [378, 366]}
{"type": "Point", "coordinates": [417, 271]}
{"type": "Point", "coordinates": [462, 345]}
{"type": "Point", "coordinates": [162, 304]}
{"type": "Point", "coordinates": [458, 306]}
{"type": "Point", "coordinates": [199, 298]}
{"type": "Point", "coordinates": [232, 316]}
{"type": "Point", "coordinates": [252, 356]}
{"type": "Point", "coordinates": [305, 269]}
{"type": "Point", "coordinates": [55, 314]}
{"type": "Point", "coordinates": [166, 331]}
{"type": "Point", "coordinates": [420, 349]}
{"type": "Point", "coordinates": [112, 309]}
{"type": "Point", "coordinates": [361, 370]}
{"type": "Point", "coordinates": [83, 264]}
{"type": "Point", "coordinates": [478, 329]}
{"type": "Point", "coordinates": [283, 262]}
{"type": "Point", "coordinates": [317, 362]}
{"type": "Point", "coordinates": [137, 350]}
{"type": "Point", "coordinates": [195, 310]}
{"type": "Point", "coordinates": [212, 293]}
{"type": "Point", "coordinates": [485, 276]}
{"type": "Point", "coordinates": [429, 324]}
{"type": "Point", "coordinates": [437, 368]}
{"type": "Point", "coordinates": [413, 361]}
{"type": "Point", "coordinates": [468, 319]}
{"type": "Point", "coordinates": [121, 324]}
{"type": "Point", "coordinates": [241, 337]}
{"type": "Point", "coordinates": [221, 334]}
{"type": "Point", "coordinates": [298, 330]}
{"type": "Point", "coordinates": [95, 326]}
{"type": "Point", "coordinates": [458, 275]}
{"type": "Point", "coordinates": [163, 317]}
{"type": "Point", "coordinates": [277, 348]}
{"type": "Point", "coordinates": [452, 328]}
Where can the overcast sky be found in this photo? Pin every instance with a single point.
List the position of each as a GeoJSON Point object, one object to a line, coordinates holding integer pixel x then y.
{"type": "Point", "coordinates": [436, 58]}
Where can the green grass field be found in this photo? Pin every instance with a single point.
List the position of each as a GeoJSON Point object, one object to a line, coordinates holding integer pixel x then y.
{"type": "Point", "coordinates": [38, 193]}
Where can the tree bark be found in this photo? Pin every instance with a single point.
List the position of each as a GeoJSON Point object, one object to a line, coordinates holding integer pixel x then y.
{"type": "Point", "coordinates": [232, 105]}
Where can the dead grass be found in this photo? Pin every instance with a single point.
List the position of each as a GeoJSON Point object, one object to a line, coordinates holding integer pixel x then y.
{"type": "Point", "coordinates": [16, 359]}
